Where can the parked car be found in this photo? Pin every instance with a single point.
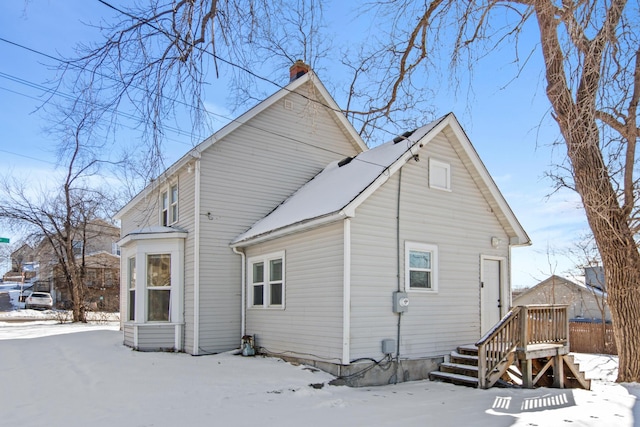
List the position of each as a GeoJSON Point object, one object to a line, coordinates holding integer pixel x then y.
{"type": "Point", "coordinates": [39, 300]}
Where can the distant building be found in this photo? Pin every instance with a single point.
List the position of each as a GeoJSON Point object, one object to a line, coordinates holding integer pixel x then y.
{"type": "Point", "coordinates": [23, 265]}
{"type": "Point", "coordinates": [41, 268]}
{"type": "Point", "coordinates": [586, 300]}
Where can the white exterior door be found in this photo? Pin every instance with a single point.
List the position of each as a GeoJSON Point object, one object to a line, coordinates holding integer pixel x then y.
{"type": "Point", "coordinates": [491, 295]}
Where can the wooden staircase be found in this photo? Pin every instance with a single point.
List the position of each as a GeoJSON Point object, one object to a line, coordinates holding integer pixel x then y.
{"type": "Point", "coordinates": [462, 368]}
{"type": "Point", "coordinates": [528, 347]}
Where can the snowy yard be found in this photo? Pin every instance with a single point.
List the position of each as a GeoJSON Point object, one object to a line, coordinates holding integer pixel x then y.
{"type": "Point", "coordinates": [80, 375]}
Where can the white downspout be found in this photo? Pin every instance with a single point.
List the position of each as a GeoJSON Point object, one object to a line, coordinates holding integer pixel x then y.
{"type": "Point", "coordinates": [196, 264]}
{"type": "Point", "coordinates": [243, 308]}
{"type": "Point", "coordinates": [346, 291]}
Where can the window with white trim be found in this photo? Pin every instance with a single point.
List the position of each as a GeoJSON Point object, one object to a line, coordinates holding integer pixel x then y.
{"type": "Point", "coordinates": [164, 208]}
{"type": "Point", "coordinates": [421, 267]}
{"type": "Point", "coordinates": [158, 287]}
{"type": "Point", "coordinates": [173, 204]}
{"type": "Point", "coordinates": [266, 281]}
{"type": "Point", "coordinates": [439, 175]}
{"type": "Point", "coordinates": [169, 206]}
{"type": "Point", "coordinates": [131, 276]}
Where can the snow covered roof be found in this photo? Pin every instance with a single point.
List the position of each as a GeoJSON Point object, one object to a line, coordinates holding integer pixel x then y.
{"type": "Point", "coordinates": [342, 186]}
{"type": "Point", "coordinates": [153, 232]}
{"type": "Point", "coordinates": [333, 189]}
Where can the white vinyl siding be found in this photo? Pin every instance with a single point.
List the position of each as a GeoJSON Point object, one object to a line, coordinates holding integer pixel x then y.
{"type": "Point", "coordinates": [460, 224]}
{"type": "Point", "coordinates": [244, 177]}
{"type": "Point", "coordinates": [310, 325]}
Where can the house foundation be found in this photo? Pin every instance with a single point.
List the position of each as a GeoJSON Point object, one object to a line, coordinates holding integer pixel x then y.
{"type": "Point", "coordinates": [369, 372]}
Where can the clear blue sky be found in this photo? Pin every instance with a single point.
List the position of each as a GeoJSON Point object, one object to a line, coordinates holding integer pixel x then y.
{"type": "Point", "coordinates": [509, 126]}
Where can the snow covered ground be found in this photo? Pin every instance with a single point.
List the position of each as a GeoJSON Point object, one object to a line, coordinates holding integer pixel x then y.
{"type": "Point", "coordinates": [81, 375]}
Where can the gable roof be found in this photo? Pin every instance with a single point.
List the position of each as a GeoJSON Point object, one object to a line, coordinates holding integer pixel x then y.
{"type": "Point", "coordinates": [325, 100]}
{"type": "Point", "coordinates": [342, 186]}
{"type": "Point", "coordinates": [572, 282]}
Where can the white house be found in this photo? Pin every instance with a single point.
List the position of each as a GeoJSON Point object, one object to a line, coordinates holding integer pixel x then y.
{"type": "Point", "coordinates": [284, 227]}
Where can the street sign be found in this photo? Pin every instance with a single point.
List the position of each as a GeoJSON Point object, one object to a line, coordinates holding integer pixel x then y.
{"type": "Point", "coordinates": [4, 240]}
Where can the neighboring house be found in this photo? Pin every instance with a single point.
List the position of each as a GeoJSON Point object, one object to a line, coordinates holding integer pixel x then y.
{"type": "Point", "coordinates": [283, 226]}
{"type": "Point", "coordinates": [102, 282]}
{"type": "Point", "coordinates": [23, 265]}
{"type": "Point", "coordinates": [102, 267]}
{"type": "Point", "coordinates": [585, 301]}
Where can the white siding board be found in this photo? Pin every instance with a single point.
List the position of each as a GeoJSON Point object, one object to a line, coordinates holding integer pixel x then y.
{"type": "Point", "coordinates": [129, 335]}
{"type": "Point", "coordinates": [459, 222]}
{"type": "Point", "coordinates": [311, 323]}
{"type": "Point", "coordinates": [156, 337]}
{"type": "Point", "coordinates": [244, 177]}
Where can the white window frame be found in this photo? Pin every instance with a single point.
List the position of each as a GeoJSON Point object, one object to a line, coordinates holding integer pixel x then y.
{"type": "Point", "coordinates": [440, 166]}
{"type": "Point", "coordinates": [131, 288]}
{"type": "Point", "coordinates": [164, 208]}
{"type": "Point", "coordinates": [421, 247]}
{"type": "Point", "coordinates": [173, 203]}
{"type": "Point", "coordinates": [148, 289]}
{"type": "Point", "coordinates": [139, 248]}
{"type": "Point", "coordinates": [266, 282]}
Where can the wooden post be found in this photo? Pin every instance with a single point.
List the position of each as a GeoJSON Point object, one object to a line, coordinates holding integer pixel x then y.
{"type": "Point", "coordinates": [482, 366]}
{"type": "Point", "coordinates": [527, 373]}
{"type": "Point", "coordinates": [558, 371]}
{"type": "Point", "coordinates": [524, 327]}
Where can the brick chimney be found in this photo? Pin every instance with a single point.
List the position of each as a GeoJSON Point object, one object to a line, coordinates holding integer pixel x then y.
{"type": "Point", "coordinates": [298, 69]}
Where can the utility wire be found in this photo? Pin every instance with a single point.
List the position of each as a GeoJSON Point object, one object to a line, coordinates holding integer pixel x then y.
{"type": "Point", "coordinates": [72, 64]}
{"type": "Point", "coordinates": [230, 120]}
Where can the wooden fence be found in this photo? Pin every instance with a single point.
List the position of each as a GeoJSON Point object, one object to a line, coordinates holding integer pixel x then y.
{"type": "Point", "coordinates": [589, 338]}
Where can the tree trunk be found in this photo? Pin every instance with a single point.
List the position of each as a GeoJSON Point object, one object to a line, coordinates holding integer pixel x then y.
{"type": "Point", "coordinates": [575, 114]}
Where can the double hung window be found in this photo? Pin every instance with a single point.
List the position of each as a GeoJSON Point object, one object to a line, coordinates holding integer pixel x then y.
{"type": "Point", "coordinates": [266, 284]}
{"type": "Point", "coordinates": [421, 270]}
{"type": "Point", "coordinates": [158, 287]}
{"type": "Point", "coordinates": [169, 206]}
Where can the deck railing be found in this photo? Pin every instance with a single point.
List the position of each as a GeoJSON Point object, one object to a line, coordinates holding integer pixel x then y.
{"type": "Point", "coordinates": [522, 326]}
{"type": "Point", "coordinates": [545, 324]}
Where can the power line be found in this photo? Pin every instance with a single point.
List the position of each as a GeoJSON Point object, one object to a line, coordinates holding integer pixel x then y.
{"type": "Point", "coordinates": [230, 120]}
{"type": "Point", "coordinates": [146, 22]}
{"type": "Point", "coordinates": [231, 63]}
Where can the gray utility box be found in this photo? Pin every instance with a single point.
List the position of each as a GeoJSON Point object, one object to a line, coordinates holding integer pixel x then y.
{"type": "Point", "coordinates": [388, 346]}
{"type": "Point", "coordinates": [400, 302]}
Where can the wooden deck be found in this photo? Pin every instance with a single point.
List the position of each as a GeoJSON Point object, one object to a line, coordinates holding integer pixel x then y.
{"type": "Point", "coordinates": [536, 338]}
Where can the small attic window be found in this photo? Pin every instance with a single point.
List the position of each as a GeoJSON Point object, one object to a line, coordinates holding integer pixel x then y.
{"type": "Point", "coordinates": [403, 136]}
{"type": "Point", "coordinates": [345, 161]}
{"type": "Point", "coordinates": [439, 175]}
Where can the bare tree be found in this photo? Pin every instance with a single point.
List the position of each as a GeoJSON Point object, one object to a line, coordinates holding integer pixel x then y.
{"type": "Point", "coordinates": [158, 58]}
{"type": "Point", "coordinates": [592, 69]}
{"type": "Point", "coordinates": [60, 216]}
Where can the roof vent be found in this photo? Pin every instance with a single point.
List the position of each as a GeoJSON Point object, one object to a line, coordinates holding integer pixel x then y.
{"type": "Point", "coordinates": [403, 136]}
{"type": "Point", "coordinates": [298, 69]}
{"type": "Point", "coordinates": [345, 161]}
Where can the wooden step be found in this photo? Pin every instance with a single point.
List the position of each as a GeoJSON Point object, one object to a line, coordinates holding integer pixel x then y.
{"type": "Point", "coordinates": [454, 378]}
{"type": "Point", "coordinates": [468, 349]}
{"type": "Point", "coordinates": [461, 369]}
{"type": "Point", "coordinates": [463, 359]}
